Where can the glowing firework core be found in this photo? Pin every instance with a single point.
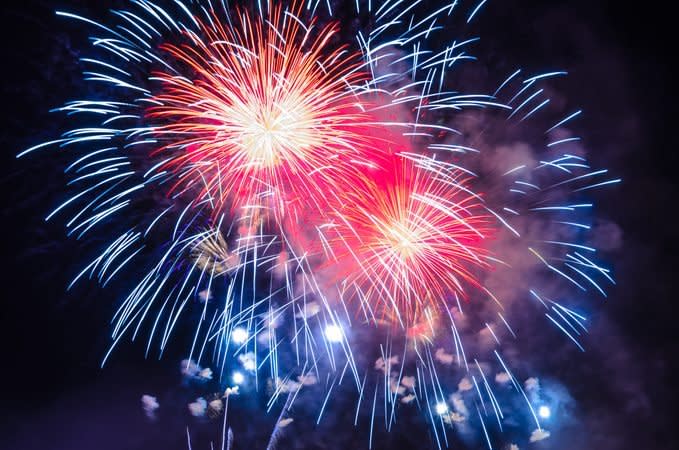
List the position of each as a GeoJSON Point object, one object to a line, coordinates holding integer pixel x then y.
{"type": "Point", "coordinates": [404, 241]}
{"type": "Point", "coordinates": [239, 335]}
{"type": "Point", "coordinates": [238, 378]}
{"type": "Point", "coordinates": [275, 132]}
{"type": "Point", "coordinates": [333, 333]}
{"type": "Point", "coordinates": [441, 408]}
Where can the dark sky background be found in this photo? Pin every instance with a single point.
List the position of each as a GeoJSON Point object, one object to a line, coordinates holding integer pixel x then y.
{"type": "Point", "coordinates": [621, 62]}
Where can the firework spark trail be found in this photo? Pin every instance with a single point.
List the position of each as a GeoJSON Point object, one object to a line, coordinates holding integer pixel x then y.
{"type": "Point", "coordinates": [275, 157]}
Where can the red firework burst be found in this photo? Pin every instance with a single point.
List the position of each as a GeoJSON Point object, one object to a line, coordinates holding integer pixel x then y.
{"type": "Point", "coordinates": [265, 119]}
{"type": "Point", "coordinates": [412, 237]}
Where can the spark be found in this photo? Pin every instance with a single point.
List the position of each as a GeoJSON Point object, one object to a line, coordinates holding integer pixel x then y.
{"type": "Point", "coordinates": [238, 378]}
{"type": "Point", "coordinates": [239, 335]}
{"type": "Point", "coordinates": [333, 333]}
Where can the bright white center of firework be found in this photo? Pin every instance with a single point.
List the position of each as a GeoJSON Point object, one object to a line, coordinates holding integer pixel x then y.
{"type": "Point", "coordinates": [403, 240]}
{"type": "Point", "coordinates": [239, 335]}
{"type": "Point", "coordinates": [238, 377]}
{"type": "Point", "coordinates": [441, 408]}
{"type": "Point", "coordinates": [333, 333]}
{"type": "Point", "coordinates": [544, 412]}
{"type": "Point", "coordinates": [274, 133]}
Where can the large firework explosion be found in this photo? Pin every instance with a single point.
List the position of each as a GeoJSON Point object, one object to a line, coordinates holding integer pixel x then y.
{"type": "Point", "coordinates": [326, 207]}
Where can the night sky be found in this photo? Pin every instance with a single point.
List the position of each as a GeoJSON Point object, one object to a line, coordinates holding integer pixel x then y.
{"type": "Point", "coordinates": [620, 61]}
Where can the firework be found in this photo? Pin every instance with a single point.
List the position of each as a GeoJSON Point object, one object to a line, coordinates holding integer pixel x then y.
{"type": "Point", "coordinates": [315, 204]}
{"type": "Point", "coordinates": [263, 116]}
{"type": "Point", "coordinates": [409, 239]}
